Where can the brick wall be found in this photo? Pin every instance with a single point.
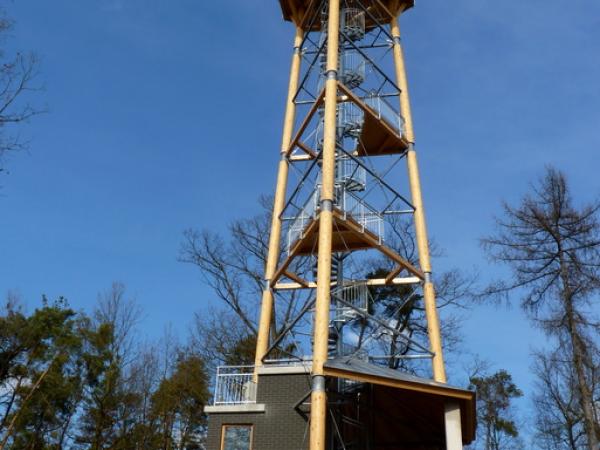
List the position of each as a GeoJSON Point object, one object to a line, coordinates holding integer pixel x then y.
{"type": "Point", "coordinates": [280, 427]}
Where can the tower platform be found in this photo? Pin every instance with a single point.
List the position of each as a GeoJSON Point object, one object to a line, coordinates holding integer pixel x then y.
{"type": "Point", "coordinates": [381, 11]}
{"type": "Point", "coordinates": [381, 131]}
{"type": "Point", "coordinates": [349, 234]}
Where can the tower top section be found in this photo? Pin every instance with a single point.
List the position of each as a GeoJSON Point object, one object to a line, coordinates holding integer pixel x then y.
{"type": "Point", "coordinates": [380, 11]}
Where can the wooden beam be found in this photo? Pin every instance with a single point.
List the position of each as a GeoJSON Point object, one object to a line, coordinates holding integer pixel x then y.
{"type": "Point", "coordinates": [305, 122]}
{"type": "Point", "coordinates": [292, 276]}
{"type": "Point", "coordinates": [385, 9]}
{"type": "Point", "coordinates": [267, 303]}
{"type": "Point", "coordinates": [393, 274]}
{"type": "Point", "coordinates": [293, 253]}
{"type": "Point", "coordinates": [306, 16]}
{"type": "Point", "coordinates": [279, 272]}
{"type": "Point", "coordinates": [371, 282]}
{"type": "Point", "coordinates": [306, 149]}
{"type": "Point", "coordinates": [300, 158]}
{"type": "Point", "coordinates": [433, 325]}
{"type": "Point", "coordinates": [395, 281]}
{"type": "Point", "coordinates": [318, 399]}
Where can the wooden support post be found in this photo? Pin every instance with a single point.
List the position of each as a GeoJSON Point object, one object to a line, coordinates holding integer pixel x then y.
{"type": "Point", "coordinates": [433, 327]}
{"type": "Point", "coordinates": [453, 426]}
{"type": "Point", "coordinates": [318, 411]}
{"type": "Point", "coordinates": [266, 312]}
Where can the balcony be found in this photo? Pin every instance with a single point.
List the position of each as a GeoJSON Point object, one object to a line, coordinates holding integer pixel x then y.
{"type": "Point", "coordinates": [353, 218]}
{"type": "Point", "coordinates": [234, 386]}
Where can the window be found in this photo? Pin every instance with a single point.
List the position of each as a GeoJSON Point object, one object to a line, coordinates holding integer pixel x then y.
{"type": "Point", "coordinates": [236, 437]}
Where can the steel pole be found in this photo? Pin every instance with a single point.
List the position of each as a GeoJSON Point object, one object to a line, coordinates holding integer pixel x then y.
{"type": "Point", "coordinates": [318, 411]}
{"type": "Point", "coordinates": [433, 325]}
{"type": "Point", "coordinates": [266, 312]}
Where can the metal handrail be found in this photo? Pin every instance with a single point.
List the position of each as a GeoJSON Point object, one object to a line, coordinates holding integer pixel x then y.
{"type": "Point", "coordinates": [386, 112]}
{"type": "Point", "coordinates": [356, 294]}
{"type": "Point", "coordinates": [234, 385]}
{"type": "Point", "coordinates": [299, 223]}
{"type": "Point", "coordinates": [368, 217]}
{"type": "Point", "coordinates": [350, 173]}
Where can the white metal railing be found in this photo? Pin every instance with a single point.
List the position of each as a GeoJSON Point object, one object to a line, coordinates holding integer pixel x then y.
{"type": "Point", "coordinates": [356, 295]}
{"type": "Point", "coordinates": [384, 111]}
{"type": "Point", "coordinates": [353, 68]}
{"type": "Point", "coordinates": [306, 214]}
{"type": "Point", "coordinates": [351, 174]}
{"type": "Point", "coordinates": [350, 120]}
{"type": "Point", "coordinates": [234, 385]}
{"type": "Point", "coordinates": [365, 215]}
{"type": "Point", "coordinates": [353, 23]}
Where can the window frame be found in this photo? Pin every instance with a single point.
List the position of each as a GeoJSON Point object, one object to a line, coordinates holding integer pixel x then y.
{"type": "Point", "coordinates": [245, 425]}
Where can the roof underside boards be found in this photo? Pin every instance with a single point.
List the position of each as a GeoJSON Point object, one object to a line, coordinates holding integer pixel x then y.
{"type": "Point", "coordinates": [381, 10]}
{"type": "Point", "coordinates": [405, 396]}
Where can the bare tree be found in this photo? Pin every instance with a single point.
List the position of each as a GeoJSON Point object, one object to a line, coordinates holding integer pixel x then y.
{"type": "Point", "coordinates": [234, 268]}
{"type": "Point", "coordinates": [18, 78]}
{"type": "Point", "coordinates": [558, 421]}
{"type": "Point", "coordinates": [108, 401]}
{"type": "Point", "coordinates": [123, 314]}
{"type": "Point", "coordinates": [218, 336]}
{"type": "Point", "coordinates": [553, 250]}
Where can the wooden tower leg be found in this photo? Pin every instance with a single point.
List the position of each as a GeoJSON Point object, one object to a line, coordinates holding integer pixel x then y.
{"type": "Point", "coordinates": [433, 325]}
{"type": "Point", "coordinates": [318, 411]}
{"type": "Point", "coordinates": [262, 341]}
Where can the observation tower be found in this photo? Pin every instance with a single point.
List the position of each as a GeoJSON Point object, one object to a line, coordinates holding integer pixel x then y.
{"type": "Point", "coordinates": [349, 353]}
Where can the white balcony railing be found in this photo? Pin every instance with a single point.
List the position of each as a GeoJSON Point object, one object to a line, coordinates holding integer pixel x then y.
{"type": "Point", "coordinates": [366, 216]}
{"type": "Point", "coordinates": [351, 174]}
{"type": "Point", "coordinates": [352, 206]}
{"type": "Point", "coordinates": [301, 221]}
{"type": "Point", "coordinates": [384, 111]}
{"type": "Point", "coordinates": [234, 385]}
{"type": "Point", "coordinates": [355, 297]}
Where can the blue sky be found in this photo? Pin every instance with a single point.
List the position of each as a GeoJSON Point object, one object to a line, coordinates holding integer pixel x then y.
{"type": "Point", "coordinates": [166, 115]}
